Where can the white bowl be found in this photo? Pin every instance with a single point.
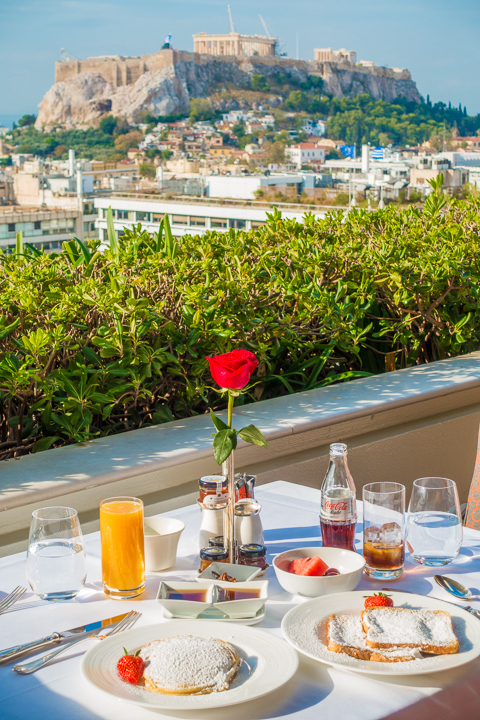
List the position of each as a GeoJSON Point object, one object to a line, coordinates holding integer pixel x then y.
{"type": "Point", "coordinates": [161, 539]}
{"type": "Point", "coordinates": [350, 565]}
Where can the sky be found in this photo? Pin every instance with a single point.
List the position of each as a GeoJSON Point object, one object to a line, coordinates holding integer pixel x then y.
{"type": "Point", "coordinates": [437, 40]}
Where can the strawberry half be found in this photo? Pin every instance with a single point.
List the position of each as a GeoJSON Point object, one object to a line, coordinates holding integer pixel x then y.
{"type": "Point", "coordinates": [130, 667]}
{"type": "Point", "coordinates": [378, 600]}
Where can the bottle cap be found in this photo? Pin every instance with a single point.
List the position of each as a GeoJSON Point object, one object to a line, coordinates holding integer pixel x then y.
{"type": "Point", "coordinates": [217, 541]}
{"type": "Point", "coordinates": [253, 551]}
{"type": "Point", "coordinates": [214, 554]}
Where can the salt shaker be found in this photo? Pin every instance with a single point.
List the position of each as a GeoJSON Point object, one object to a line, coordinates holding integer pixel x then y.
{"type": "Point", "coordinates": [248, 525]}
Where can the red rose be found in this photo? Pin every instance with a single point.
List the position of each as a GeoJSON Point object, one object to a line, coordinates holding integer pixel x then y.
{"type": "Point", "coordinates": [232, 370]}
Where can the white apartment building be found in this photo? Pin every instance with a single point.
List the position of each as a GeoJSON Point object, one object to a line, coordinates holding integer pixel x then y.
{"type": "Point", "coordinates": [312, 127]}
{"type": "Point", "coordinates": [187, 217]}
{"type": "Point", "coordinates": [44, 228]}
{"type": "Point", "coordinates": [305, 153]}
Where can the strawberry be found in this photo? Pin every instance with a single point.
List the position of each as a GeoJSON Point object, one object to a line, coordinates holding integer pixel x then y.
{"type": "Point", "coordinates": [378, 600]}
{"type": "Point", "coordinates": [130, 667]}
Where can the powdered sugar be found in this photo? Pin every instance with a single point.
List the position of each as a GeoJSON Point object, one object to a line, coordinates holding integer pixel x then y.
{"type": "Point", "coordinates": [348, 630]}
{"type": "Point", "coordinates": [186, 663]}
{"type": "Point", "coordinates": [404, 626]}
{"type": "Point", "coordinates": [398, 652]}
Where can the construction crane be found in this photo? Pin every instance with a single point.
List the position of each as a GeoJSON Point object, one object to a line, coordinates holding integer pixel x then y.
{"type": "Point", "coordinates": [279, 43]}
{"type": "Point", "coordinates": [65, 56]}
{"type": "Point", "coordinates": [232, 26]}
{"type": "Point", "coordinates": [264, 26]}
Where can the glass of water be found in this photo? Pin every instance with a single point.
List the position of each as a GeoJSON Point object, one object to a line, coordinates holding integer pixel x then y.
{"type": "Point", "coordinates": [56, 565]}
{"type": "Point", "coordinates": [434, 525]}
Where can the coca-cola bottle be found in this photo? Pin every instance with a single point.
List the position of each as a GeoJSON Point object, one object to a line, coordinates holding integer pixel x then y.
{"type": "Point", "coordinates": [338, 509]}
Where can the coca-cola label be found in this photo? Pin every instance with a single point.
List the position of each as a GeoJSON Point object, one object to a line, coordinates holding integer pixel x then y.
{"type": "Point", "coordinates": [339, 509]}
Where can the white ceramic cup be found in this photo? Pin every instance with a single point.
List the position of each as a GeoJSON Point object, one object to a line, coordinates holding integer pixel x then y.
{"type": "Point", "coordinates": [161, 539]}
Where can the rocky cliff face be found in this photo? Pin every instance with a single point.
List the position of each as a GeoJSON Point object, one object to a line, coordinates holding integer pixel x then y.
{"type": "Point", "coordinates": [83, 99]}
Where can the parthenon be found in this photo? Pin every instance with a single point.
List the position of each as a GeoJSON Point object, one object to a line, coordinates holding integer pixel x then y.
{"type": "Point", "coordinates": [234, 44]}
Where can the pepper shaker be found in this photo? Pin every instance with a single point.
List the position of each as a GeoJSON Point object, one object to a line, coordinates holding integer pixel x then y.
{"type": "Point", "coordinates": [248, 525]}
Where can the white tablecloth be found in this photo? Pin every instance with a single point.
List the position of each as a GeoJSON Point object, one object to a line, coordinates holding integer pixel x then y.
{"type": "Point", "coordinates": [290, 519]}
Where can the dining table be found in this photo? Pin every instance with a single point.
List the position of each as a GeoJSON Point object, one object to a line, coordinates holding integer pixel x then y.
{"type": "Point", "coordinates": [290, 517]}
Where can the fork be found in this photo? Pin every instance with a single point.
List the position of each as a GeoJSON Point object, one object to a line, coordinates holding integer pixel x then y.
{"type": "Point", "coordinates": [125, 624]}
{"type": "Point", "coordinates": [12, 598]}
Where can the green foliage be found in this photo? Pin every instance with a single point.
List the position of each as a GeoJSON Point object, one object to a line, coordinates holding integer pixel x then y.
{"type": "Point", "coordinates": [364, 119]}
{"type": "Point", "coordinates": [26, 120]}
{"type": "Point", "coordinates": [147, 170]}
{"type": "Point", "coordinates": [94, 343]}
{"type": "Point", "coordinates": [259, 83]}
{"type": "Point", "coordinates": [108, 124]}
{"type": "Point", "coordinates": [201, 109]}
{"type": "Point", "coordinates": [92, 143]}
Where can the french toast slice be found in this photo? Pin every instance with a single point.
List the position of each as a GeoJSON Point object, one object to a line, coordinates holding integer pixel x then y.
{"type": "Point", "coordinates": [346, 635]}
{"type": "Point", "coordinates": [430, 631]}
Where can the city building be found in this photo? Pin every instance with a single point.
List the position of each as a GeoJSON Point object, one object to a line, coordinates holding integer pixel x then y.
{"type": "Point", "coordinates": [234, 44]}
{"type": "Point", "coordinates": [192, 217]}
{"type": "Point", "coordinates": [43, 228]}
{"type": "Point", "coordinates": [6, 189]}
{"type": "Point", "coordinates": [329, 55]}
{"type": "Point", "coordinates": [304, 154]}
{"type": "Point", "coordinates": [468, 142]}
{"type": "Point", "coordinates": [431, 168]}
{"type": "Point", "coordinates": [315, 127]}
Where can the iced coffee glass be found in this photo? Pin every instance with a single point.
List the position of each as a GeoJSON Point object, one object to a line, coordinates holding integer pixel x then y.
{"type": "Point", "coordinates": [384, 529]}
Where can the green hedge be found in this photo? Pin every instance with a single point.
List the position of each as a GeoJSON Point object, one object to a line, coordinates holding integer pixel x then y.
{"type": "Point", "coordinates": [96, 343]}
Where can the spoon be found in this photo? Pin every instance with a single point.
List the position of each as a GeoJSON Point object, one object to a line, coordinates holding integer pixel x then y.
{"type": "Point", "coordinates": [455, 588]}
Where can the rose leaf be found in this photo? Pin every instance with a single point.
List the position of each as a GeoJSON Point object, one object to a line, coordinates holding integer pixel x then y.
{"type": "Point", "coordinates": [252, 434]}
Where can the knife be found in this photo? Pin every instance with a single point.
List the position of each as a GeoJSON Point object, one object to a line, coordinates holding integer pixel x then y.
{"type": "Point", "coordinates": [56, 637]}
{"type": "Point", "coordinates": [468, 608]}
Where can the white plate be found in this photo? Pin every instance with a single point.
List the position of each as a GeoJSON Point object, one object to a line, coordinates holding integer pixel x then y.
{"type": "Point", "coordinates": [241, 621]}
{"type": "Point", "coordinates": [269, 663]}
{"type": "Point", "coordinates": [305, 628]}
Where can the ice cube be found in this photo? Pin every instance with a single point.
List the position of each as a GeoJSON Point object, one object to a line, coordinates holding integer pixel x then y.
{"type": "Point", "coordinates": [371, 534]}
{"type": "Point", "coordinates": [390, 534]}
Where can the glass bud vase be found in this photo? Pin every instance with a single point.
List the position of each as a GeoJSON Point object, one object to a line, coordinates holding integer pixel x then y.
{"type": "Point", "coordinates": [228, 469]}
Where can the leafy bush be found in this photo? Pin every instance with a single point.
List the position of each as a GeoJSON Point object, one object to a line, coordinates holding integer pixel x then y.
{"type": "Point", "coordinates": [260, 83]}
{"type": "Point", "coordinates": [94, 343]}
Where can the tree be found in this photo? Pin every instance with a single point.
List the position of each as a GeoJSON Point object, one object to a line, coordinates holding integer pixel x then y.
{"type": "Point", "coordinates": [108, 124]}
{"type": "Point", "coordinates": [147, 170]}
{"type": "Point", "coordinates": [26, 120]}
{"type": "Point", "coordinates": [297, 100]}
{"type": "Point", "coordinates": [276, 153]}
{"type": "Point", "coordinates": [125, 142]}
{"type": "Point", "coordinates": [200, 109]}
{"type": "Point", "coordinates": [166, 154]}
{"type": "Point", "coordinates": [59, 150]}
{"type": "Point", "coordinates": [259, 83]}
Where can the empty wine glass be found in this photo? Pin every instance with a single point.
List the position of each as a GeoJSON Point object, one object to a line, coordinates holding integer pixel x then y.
{"type": "Point", "coordinates": [434, 524]}
{"type": "Point", "coordinates": [56, 565]}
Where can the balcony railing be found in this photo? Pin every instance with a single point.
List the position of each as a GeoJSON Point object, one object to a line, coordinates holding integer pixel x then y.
{"type": "Point", "coordinates": [398, 426]}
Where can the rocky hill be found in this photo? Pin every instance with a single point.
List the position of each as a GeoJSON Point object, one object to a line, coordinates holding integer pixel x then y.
{"type": "Point", "coordinates": [92, 89]}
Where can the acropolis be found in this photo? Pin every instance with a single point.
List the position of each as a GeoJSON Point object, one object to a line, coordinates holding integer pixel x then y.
{"type": "Point", "coordinates": [234, 44]}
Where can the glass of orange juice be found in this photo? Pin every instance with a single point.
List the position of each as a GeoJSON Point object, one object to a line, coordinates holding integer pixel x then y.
{"type": "Point", "coordinates": [123, 550]}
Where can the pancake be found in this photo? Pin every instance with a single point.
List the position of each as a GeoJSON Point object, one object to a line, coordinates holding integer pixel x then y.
{"type": "Point", "coordinates": [189, 665]}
